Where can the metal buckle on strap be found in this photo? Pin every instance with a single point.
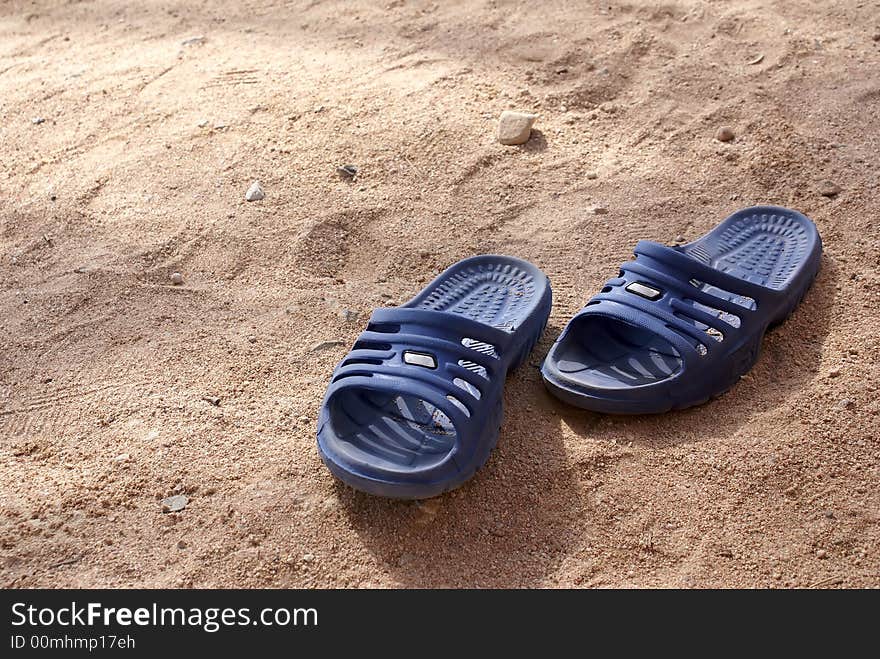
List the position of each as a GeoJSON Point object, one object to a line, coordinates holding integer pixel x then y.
{"type": "Point", "coordinates": [644, 290]}
{"type": "Point", "coordinates": [419, 359]}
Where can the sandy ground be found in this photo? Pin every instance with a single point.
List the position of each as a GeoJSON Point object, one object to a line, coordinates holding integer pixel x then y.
{"type": "Point", "coordinates": [151, 137]}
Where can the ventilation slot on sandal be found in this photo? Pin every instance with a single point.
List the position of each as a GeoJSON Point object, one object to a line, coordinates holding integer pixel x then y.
{"type": "Point", "coordinates": [480, 347]}
{"type": "Point", "coordinates": [698, 346]}
{"type": "Point", "coordinates": [442, 424]}
{"type": "Point", "coordinates": [383, 328]}
{"type": "Point", "coordinates": [468, 387]}
{"type": "Point", "coordinates": [741, 300]}
{"type": "Point", "coordinates": [729, 318]}
{"type": "Point", "coordinates": [358, 360]}
{"type": "Point", "coordinates": [459, 405]}
{"type": "Point", "coordinates": [372, 345]}
{"type": "Point", "coordinates": [710, 331]}
{"type": "Point", "coordinates": [473, 367]}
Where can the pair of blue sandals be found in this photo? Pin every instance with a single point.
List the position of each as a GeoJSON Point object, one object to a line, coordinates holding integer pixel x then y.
{"type": "Point", "coordinates": [415, 408]}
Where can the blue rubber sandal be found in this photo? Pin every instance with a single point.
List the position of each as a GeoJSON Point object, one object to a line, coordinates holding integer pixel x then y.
{"type": "Point", "coordinates": [680, 325]}
{"type": "Point", "coordinates": [415, 408]}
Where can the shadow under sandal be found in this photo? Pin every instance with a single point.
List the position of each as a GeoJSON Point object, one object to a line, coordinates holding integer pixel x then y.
{"type": "Point", "coordinates": [415, 408]}
{"type": "Point", "coordinates": [680, 325]}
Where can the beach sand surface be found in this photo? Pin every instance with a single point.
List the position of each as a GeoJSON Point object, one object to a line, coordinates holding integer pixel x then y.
{"type": "Point", "coordinates": [129, 135]}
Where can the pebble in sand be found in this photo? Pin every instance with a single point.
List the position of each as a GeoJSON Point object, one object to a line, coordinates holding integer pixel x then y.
{"type": "Point", "coordinates": [255, 192]}
{"type": "Point", "coordinates": [515, 127]}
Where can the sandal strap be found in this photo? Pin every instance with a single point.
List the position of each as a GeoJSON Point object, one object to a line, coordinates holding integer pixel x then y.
{"type": "Point", "coordinates": [424, 353]}
{"type": "Point", "coordinates": [679, 302]}
{"type": "Point", "coordinates": [686, 267]}
{"type": "Point", "coordinates": [635, 312]}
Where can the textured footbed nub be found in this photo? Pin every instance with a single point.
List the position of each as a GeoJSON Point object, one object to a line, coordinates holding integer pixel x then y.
{"type": "Point", "coordinates": [409, 408]}
{"type": "Point", "coordinates": [617, 353]}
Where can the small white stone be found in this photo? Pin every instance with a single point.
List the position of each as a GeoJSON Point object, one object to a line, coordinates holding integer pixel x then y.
{"type": "Point", "coordinates": [255, 192]}
{"type": "Point", "coordinates": [174, 504]}
{"type": "Point", "coordinates": [176, 278]}
{"type": "Point", "coordinates": [515, 127]}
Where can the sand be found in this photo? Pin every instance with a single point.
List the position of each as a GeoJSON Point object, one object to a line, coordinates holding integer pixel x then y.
{"type": "Point", "coordinates": [119, 389]}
